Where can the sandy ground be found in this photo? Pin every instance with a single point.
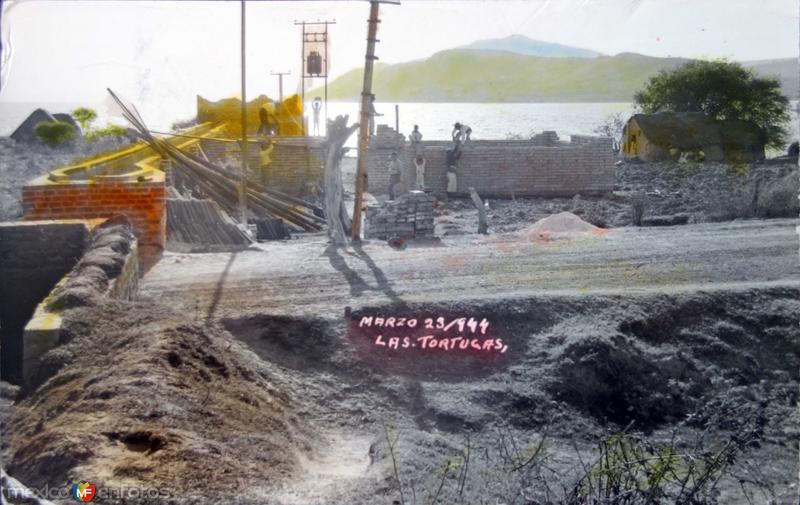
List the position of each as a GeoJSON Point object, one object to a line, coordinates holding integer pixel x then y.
{"type": "Point", "coordinates": [305, 277]}
{"type": "Point", "coordinates": [634, 325]}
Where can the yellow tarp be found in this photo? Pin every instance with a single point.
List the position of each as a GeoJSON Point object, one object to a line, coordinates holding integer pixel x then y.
{"type": "Point", "coordinates": [289, 114]}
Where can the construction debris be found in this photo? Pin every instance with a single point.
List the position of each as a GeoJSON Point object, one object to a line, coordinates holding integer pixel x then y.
{"type": "Point", "coordinates": [223, 186]}
{"type": "Point", "coordinates": [271, 229]}
{"type": "Point", "coordinates": [193, 223]}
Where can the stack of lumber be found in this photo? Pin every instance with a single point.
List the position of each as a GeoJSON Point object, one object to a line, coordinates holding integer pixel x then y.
{"type": "Point", "coordinates": [202, 223]}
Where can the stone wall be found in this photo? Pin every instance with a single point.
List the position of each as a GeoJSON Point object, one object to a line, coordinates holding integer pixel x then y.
{"type": "Point", "coordinates": [34, 256]}
{"type": "Point", "coordinates": [142, 202]}
{"type": "Point", "coordinates": [109, 267]}
{"type": "Point", "coordinates": [542, 166]}
{"type": "Point", "coordinates": [409, 216]}
{"type": "Point", "coordinates": [297, 164]}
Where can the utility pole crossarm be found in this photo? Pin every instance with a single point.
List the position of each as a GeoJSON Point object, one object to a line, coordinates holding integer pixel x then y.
{"type": "Point", "coordinates": [280, 82]}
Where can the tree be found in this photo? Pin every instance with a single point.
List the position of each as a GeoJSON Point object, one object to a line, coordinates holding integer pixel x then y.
{"type": "Point", "coordinates": [54, 133]}
{"type": "Point", "coordinates": [84, 116]}
{"type": "Point", "coordinates": [723, 91]}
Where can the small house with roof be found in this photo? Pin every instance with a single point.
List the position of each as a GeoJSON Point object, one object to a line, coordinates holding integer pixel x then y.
{"type": "Point", "coordinates": [668, 135]}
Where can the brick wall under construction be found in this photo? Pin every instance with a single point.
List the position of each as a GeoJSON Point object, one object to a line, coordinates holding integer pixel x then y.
{"type": "Point", "coordinates": [142, 202]}
{"type": "Point", "coordinates": [297, 164]}
{"type": "Point", "coordinates": [542, 166]}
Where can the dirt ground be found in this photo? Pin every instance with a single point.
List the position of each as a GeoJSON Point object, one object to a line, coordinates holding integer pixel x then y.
{"type": "Point", "coordinates": [670, 193]}
{"type": "Point", "coordinates": [298, 410]}
{"type": "Point", "coordinates": [246, 377]}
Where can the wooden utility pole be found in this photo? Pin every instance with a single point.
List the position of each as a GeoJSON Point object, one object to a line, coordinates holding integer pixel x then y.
{"type": "Point", "coordinates": [243, 174]}
{"type": "Point", "coordinates": [280, 83]}
{"type": "Point", "coordinates": [363, 132]}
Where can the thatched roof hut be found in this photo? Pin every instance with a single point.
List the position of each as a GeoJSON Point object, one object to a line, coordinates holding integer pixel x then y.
{"type": "Point", "coordinates": [667, 135]}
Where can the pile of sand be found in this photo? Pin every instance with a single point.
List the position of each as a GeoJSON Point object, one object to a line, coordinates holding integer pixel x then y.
{"type": "Point", "coordinates": [563, 223]}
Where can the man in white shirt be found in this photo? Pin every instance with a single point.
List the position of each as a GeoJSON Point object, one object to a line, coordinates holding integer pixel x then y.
{"type": "Point", "coordinates": [419, 166]}
{"type": "Point", "coordinates": [316, 105]}
{"type": "Point", "coordinates": [416, 141]}
{"type": "Point", "coordinates": [394, 173]}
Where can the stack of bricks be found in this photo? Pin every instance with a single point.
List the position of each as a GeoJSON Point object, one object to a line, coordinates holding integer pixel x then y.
{"type": "Point", "coordinates": [409, 216]}
{"type": "Point", "coordinates": [541, 166]}
{"type": "Point", "coordinates": [142, 202]}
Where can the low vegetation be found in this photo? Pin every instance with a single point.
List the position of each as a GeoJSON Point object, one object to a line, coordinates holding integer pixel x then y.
{"type": "Point", "coordinates": [624, 467]}
{"type": "Point", "coordinates": [86, 116]}
{"type": "Point", "coordinates": [55, 133]}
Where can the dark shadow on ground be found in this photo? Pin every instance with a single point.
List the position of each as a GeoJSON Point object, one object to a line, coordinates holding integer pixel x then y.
{"type": "Point", "coordinates": [220, 287]}
{"type": "Point", "coordinates": [357, 283]}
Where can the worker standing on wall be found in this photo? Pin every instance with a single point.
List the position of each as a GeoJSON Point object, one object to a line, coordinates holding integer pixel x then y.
{"type": "Point", "coordinates": [394, 174]}
{"type": "Point", "coordinates": [268, 124]}
{"type": "Point", "coordinates": [416, 141]}
{"type": "Point", "coordinates": [372, 114]}
{"type": "Point", "coordinates": [419, 167]}
{"type": "Point", "coordinates": [265, 160]}
{"type": "Point", "coordinates": [453, 156]}
{"type": "Point", "coordinates": [316, 106]}
{"type": "Point", "coordinates": [461, 133]}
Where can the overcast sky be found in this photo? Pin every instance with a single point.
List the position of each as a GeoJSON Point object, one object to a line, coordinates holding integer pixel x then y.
{"type": "Point", "coordinates": [70, 51]}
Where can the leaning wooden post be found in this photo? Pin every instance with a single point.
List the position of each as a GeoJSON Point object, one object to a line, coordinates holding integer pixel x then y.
{"type": "Point", "coordinates": [338, 223]}
{"type": "Point", "coordinates": [483, 225]}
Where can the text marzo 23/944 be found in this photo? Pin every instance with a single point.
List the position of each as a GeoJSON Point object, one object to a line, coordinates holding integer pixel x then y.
{"type": "Point", "coordinates": [468, 334]}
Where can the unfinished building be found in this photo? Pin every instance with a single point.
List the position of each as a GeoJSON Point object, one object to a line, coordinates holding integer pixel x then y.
{"type": "Point", "coordinates": [540, 166]}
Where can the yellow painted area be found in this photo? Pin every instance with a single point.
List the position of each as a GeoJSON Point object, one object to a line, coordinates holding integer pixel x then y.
{"type": "Point", "coordinates": [219, 121]}
{"type": "Point", "coordinates": [44, 321]}
{"type": "Point", "coordinates": [128, 164]}
{"type": "Point", "coordinates": [288, 113]}
{"type": "Point", "coordinates": [634, 142]}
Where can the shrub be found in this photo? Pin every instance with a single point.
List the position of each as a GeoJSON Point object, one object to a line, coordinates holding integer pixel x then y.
{"type": "Point", "coordinates": [84, 116]}
{"type": "Point", "coordinates": [612, 126]}
{"type": "Point", "coordinates": [55, 133]}
{"type": "Point", "coordinates": [111, 130]}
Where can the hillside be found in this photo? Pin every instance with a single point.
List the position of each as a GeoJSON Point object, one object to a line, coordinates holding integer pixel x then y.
{"type": "Point", "coordinates": [466, 75]}
{"type": "Point", "coordinates": [521, 44]}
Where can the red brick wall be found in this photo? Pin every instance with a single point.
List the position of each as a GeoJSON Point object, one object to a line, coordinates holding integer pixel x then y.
{"type": "Point", "coordinates": [142, 202]}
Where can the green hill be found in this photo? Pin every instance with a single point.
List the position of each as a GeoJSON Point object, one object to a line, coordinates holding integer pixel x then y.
{"type": "Point", "coordinates": [465, 75]}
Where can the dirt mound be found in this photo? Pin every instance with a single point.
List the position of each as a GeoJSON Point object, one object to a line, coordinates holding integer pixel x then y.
{"type": "Point", "coordinates": [563, 223]}
{"type": "Point", "coordinates": [142, 397]}
{"type": "Point", "coordinates": [656, 360]}
{"type": "Point", "coordinates": [101, 263]}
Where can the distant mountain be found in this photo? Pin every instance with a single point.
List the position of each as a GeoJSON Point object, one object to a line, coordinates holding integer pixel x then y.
{"type": "Point", "coordinates": [786, 70]}
{"type": "Point", "coordinates": [523, 45]}
{"type": "Point", "coordinates": [463, 75]}
{"type": "Point", "coordinates": [469, 75]}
